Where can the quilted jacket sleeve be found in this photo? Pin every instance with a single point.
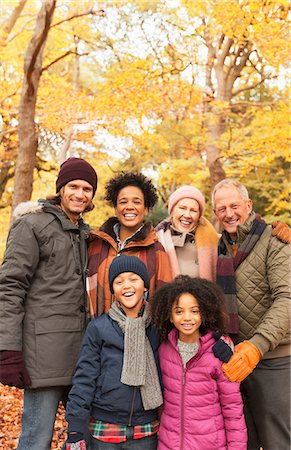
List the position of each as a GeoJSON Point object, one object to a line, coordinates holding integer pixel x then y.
{"type": "Point", "coordinates": [232, 411]}
{"type": "Point", "coordinates": [275, 324]}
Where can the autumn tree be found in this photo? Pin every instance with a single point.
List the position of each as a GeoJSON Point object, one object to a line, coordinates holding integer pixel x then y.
{"type": "Point", "coordinates": [201, 81]}
{"type": "Point", "coordinates": [35, 103]}
{"type": "Point", "coordinates": [28, 139]}
{"type": "Point", "coordinates": [186, 91]}
{"type": "Point", "coordinates": [7, 144]}
{"type": "Point", "coordinates": [245, 43]}
{"type": "Point", "coordinates": [229, 49]}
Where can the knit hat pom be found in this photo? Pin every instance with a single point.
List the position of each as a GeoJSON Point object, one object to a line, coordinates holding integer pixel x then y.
{"type": "Point", "coordinates": [76, 169]}
{"type": "Point", "coordinates": [122, 264]}
{"type": "Point", "coordinates": [186, 191]}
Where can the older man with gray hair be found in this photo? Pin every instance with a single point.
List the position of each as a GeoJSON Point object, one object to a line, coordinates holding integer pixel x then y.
{"type": "Point", "coordinates": [254, 271]}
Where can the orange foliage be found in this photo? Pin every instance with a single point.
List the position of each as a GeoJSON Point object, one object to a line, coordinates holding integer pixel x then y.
{"type": "Point", "coordinates": [11, 400]}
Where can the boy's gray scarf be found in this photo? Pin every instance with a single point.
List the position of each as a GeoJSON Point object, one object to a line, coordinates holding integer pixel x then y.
{"type": "Point", "coordinates": [139, 365]}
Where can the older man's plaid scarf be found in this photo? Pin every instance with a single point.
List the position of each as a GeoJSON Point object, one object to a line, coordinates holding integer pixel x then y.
{"type": "Point", "coordinates": [227, 265]}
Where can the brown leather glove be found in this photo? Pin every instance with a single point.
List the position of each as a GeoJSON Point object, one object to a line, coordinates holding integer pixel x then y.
{"type": "Point", "coordinates": [282, 231]}
{"type": "Point", "coordinates": [12, 369]}
{"type": "Point", "coordinates": [245, 358]}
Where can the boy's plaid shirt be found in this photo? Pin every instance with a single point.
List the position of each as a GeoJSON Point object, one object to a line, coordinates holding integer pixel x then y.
{"type": "Point", "coordinates": [108, 432]}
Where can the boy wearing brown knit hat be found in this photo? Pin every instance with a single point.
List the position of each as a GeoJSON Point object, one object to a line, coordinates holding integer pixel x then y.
{"type": "Point", "coordinates": [43, 299]}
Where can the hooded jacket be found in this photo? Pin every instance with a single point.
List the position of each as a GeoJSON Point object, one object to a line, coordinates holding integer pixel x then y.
{"type": "Point", "coordinates": [263, 292]}
{"type": "Point", "coordinates": [103, 248]}
{"type": "Point", "coordinates": [202, 409]}
{"type": "Point", "coordinates": [42, 292]}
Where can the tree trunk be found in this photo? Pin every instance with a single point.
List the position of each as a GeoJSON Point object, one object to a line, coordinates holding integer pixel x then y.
{"type": "Point", "coordinates": [215, 126]}
{"type": "Point", "coordinates": [7, 27]}
{"type": "Point", "coordinates": [214, 163]}
{"type": "Point", "coordinates": [5, 175]}
{"type": "Point", "coordinates": [28, 139]}
{"type": "Point", "coordinates": [225, 61]}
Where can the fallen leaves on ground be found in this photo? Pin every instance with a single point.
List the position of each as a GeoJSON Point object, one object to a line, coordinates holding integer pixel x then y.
{"type": "Point", "coordinates": [11, 401]}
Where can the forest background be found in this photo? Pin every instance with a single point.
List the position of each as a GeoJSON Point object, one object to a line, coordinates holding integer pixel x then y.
{"type": "Point", "coordinates": [188, 91]}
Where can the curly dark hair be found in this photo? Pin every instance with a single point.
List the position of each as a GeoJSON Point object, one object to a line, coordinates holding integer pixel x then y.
{"type": "Point", "coordinates": [210, 298]}
{"type": "Point", "coordinates": [124, 179]}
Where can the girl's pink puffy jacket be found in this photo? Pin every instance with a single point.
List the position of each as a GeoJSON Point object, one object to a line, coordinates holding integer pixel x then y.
{"type": "Point", "coordinates": [202, 409]}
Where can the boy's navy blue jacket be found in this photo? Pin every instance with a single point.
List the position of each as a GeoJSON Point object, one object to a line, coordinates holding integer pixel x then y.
{"type": "Point", "coordinates": [97, 389]}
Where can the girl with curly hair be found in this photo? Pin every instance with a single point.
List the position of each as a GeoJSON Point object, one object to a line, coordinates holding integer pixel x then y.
{"type": "Point", "coordinates": [131, 195]}
{"type": "Point", "coordinates": [202, 409]}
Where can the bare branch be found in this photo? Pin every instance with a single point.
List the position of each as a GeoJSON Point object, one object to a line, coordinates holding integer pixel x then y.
{"type": "Point", "coordinates": [74, 16]}
{"type": "Point", "coordinates": [252, 104]}
{"type": "Point", "coordinates": [69, 52]}
{"type": "Point", "coordinates": [9, 24]}
{"type": "Point", "coordinates": [224, 53]}
{"type": "Point", "coordinates": [94, 45]}
{"type": "Point", "coordinates": [10, 95]}
{"type": "Point", "coordinates": [153, 49]}
{"type": "Point", "coordinates": [220, 42]}
{"type": "Point", "coordinates": [235, 70]}
{"type": "Point", "coordinates": [37, 42]}
{"type": "Point", "coordinates": [252, 86]}
{"type": "Point", "coordinates": [239, 67]}
{"type": "Point", "coordinates": [8, 131]}
{"type": "Point", "coordinates": [27, 25]}
{"type": "Point", "coordinates": [187, 106]}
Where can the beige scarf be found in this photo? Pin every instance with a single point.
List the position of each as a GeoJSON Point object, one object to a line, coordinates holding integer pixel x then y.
{"type": "Point", "coordinates": [206, 239]}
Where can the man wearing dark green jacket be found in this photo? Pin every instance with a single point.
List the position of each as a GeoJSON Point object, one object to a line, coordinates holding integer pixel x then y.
{"type": "Point", "coordinates": [43, 299]}
{"type": "Point", "coordinates": [253, 269]}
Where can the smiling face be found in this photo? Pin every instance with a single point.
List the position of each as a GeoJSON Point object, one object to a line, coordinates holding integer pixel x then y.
{"type": "Point", "coordinates": [128, 290]}
{"type": "Point", "coordinates": [75, 198]}
{"type": "Point", "coordinates": [231, 209]}
{"type": "Point", "coordinates": [185, 214]}
{"type": "Point", "coordinates": [186, 318]}
{"type": "Point", "coordinates": [130, 210]}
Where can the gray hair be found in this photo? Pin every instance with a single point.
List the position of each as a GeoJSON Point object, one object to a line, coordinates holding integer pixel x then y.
{"type": "Point", "coordinates": [227, 182]}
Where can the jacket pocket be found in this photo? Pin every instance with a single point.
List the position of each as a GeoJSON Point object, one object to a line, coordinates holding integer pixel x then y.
{"type": "Point", "coordinates": [58, 342]}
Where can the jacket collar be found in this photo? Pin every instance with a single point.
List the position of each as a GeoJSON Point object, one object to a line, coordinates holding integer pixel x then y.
{"type": "Point", "coordinates": [242, 230]}
{"type": "Point", "coordinates": [206, 341]}
{"type": "Point", "coordinates": [146, 233]}
{"type": "Point", "coordinates": [67, 224]}
{"type": "Point", "coordinates": [32, 207]}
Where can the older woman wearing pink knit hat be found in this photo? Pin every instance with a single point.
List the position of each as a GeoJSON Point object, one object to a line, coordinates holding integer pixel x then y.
{"type": "Point", "coordinates": [189, 239]}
